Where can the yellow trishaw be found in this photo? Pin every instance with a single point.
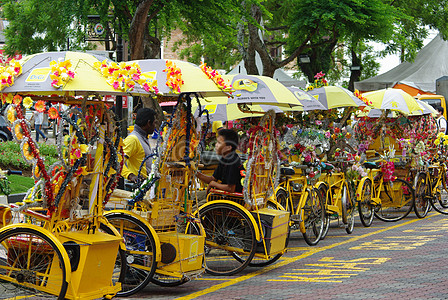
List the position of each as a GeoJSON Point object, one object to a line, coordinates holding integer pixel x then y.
{"type": "Point", "coordinates": [241, 229]}
{"type": "Point", "coordinates": [56, 241]}
{"type": "Point", "coordinates": [164, 241]}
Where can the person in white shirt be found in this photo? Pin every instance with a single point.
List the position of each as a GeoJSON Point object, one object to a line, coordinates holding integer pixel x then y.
{"type": "Point", "coordinates": [38, 120]}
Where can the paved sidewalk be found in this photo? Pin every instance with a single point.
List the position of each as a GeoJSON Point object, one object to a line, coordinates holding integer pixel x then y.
{"type": "Point", "coordinates": [403, 260]}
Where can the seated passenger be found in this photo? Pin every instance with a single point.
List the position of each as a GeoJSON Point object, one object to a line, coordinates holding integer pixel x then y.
{"type": "Point", "coordinates": [227, 176]}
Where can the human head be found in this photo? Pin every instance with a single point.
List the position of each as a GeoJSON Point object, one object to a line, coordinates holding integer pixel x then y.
{"type": "Point", "coordinates": [227, 141]}
{"type": "Point", "coordinates": [145, 119]}
{"type": "Point", "coordinates": [440, 109]}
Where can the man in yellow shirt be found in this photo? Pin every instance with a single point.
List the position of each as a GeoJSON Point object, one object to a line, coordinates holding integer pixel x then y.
{"type": "Point", "coordinates": [136, 145]}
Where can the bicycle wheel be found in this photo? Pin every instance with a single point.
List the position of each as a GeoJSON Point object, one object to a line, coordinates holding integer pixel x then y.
{"type": "Point", "coordinates": [422, 191]}
{"type": "Point", "coordinates": [31, 265]}
{"type": "Point", "coordinates": [322, 190]}
{"type": "Point", "coordinates": [397, 201]}
{"type": "Point", "coordinates": [348, 209]}
{"type": "Point", "coordinates": [443, 199]}
{"type": "Point", "coordinates": [365, 207]}
{"type": "Point", "coordinates": [230, 242]}
{"type": "Point", "coordinates": [313, 217]}
{"type": "Point", "coordinates": [282, 199]}
{"type": "Point", "coordinates": [140, 252]}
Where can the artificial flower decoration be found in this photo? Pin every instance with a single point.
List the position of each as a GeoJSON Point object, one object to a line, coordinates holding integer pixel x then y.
{"type": "Point", "coordinates": [320, 81]}
{"type": "Point", "coordinates": [173, 77]}
{"type": "Point", "coordinates": [18, 131]}
{"type": "Point", "coordinates": [53, 113]}
{"type": "Point", "coordinates": [362, 98]}
{"type": "Point", "coordinates": [148, 82]}
{"type": "Point", "coordinates": [8, 72]}
{"type": "Point", "coordinates": [122, 76]}
{"type": "Point", "coordinates": [27, 152]}
{"type": "Point", "coordinates": [61, 73]}
{"type": "Point", "coordinates": [40, 106]}
{"type": "Point", "coordinates": [37, 173]}
{"type": "Point", "coordinates": [216, 77]}
{"type": "Point", "coordinates": [27, 102]}
{"type": "Point", "coordinates": [11, 114]}
{"type": "Point", "coordinates": [17, 100]}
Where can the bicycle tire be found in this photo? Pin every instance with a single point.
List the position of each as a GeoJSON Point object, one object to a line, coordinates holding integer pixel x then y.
{"type": "Point", "coordinates": [348, 209]}
{"type": "Point", "coordinates": [226, 225]}
{"type": "Point", "coordinates": [322, 189]}
{"type": "Point", "coordinates": [390, 210]}
{"type": "Point", "coordinates": [365, 207]}
{"type": "Point", "coordinates": [422, 191]}
{"type": "Point", "coordinates": [313, 214]}
{"type": "Point", "coordinates": [143, 265]}
{"type": "Point", "coordinates": [30, 271]}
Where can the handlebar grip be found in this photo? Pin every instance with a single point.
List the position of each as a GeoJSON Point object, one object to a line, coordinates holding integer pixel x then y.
{"type": "Point", "coordinates": [14, 172]}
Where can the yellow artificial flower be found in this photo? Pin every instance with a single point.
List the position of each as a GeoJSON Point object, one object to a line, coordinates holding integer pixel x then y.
{"type": "Point", "coordinates": [445, 142]}
{"type": "Point", "coordinates": [9, 98]}
{"type": "Point", "coordinates": [27, 102]}
{"type": "Point", "coordinates": [11, 114]}
{"type": "Point", "coordinates": [437, 142]}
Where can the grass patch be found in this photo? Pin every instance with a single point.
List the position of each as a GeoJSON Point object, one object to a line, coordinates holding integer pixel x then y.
{"type": "Point", "coordinates": [19, 184]}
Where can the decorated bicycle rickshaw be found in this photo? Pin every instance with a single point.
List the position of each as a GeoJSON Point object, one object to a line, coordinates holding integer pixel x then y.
{"type": "Point", "coordinates": [56, 241]}
{"type": "Point", "coordinates": [387, 191]}
{"type": "Point", "coordinates": [52, 241]}
{"type": "Point", "coordinates": [241, 229]}
{"type": "Point", "coordinates": [159, 211]}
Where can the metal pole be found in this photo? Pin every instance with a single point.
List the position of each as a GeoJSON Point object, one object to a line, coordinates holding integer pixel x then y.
{"type": "Point", "coordinates": [119, 99]}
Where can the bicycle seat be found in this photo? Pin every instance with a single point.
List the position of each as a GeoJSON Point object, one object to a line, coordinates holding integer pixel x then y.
{"type": "Point", "coordinates": [326, 166]}
{"type": "Point", "coordinates": [287, 171]}
{"type": "Point", "coordinates": [370, 165]}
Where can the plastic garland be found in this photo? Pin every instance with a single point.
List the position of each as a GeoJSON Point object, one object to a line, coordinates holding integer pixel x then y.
{"type": "Point", "coordinates": [48, 194]}
{"type": "Point", "coordinates": [259, 138]}
{"type": "Point", "coordinates": [113, 161]}
{"type": "Point", "coordinates": [173, 77]}
{"type": "Point", "coordinates": [61, 73]}
{"type": "Point", "coordinates": [216, 77]}
{"type": "Point", "coordinates": [8, 73]}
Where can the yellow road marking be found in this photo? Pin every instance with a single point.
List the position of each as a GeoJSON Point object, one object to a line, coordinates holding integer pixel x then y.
{"type": "Point", "coordinates": [214, 279]}
{"type": "Point", "coordinates": [289, 260]}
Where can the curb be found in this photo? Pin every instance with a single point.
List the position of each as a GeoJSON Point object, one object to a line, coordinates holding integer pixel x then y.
{"type": "Point", "coordinates": [15, 197]}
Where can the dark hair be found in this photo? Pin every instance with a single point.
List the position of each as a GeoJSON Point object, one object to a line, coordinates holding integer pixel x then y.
{"type": "Point", "coordinates": [440, 109]}
{"type": "Point", "coordinates": [144, 115]}
{"type": "Point", "coordinates": [230, 137]}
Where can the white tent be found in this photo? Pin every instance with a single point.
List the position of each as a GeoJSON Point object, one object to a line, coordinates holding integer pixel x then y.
{"type": "Point", "coordinates": [430, 64]}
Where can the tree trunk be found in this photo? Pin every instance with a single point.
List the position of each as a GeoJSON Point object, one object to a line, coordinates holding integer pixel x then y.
{"type": "Point", "coordinates": [139, 29]}
{"type": "Point", "coordinates": [354, 74]}
{"type": "Point", "coordinates": [154, 104]}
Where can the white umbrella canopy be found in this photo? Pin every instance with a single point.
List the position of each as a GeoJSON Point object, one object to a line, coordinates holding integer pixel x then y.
{"type": "Point", "coordinates": [308, 101]}
{"type": "Point", "coordinates": [393, 99]}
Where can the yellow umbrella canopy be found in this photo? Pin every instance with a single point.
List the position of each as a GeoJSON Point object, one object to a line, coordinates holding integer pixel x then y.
{"type": "Point", "coordinates": [39, 78]}
{"type": "Point", "coordinates": [336, 97]}
{"type": "Point", "coordinates": [260, 90]}
{"type": "Point", "coordinates": [393, 99]}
